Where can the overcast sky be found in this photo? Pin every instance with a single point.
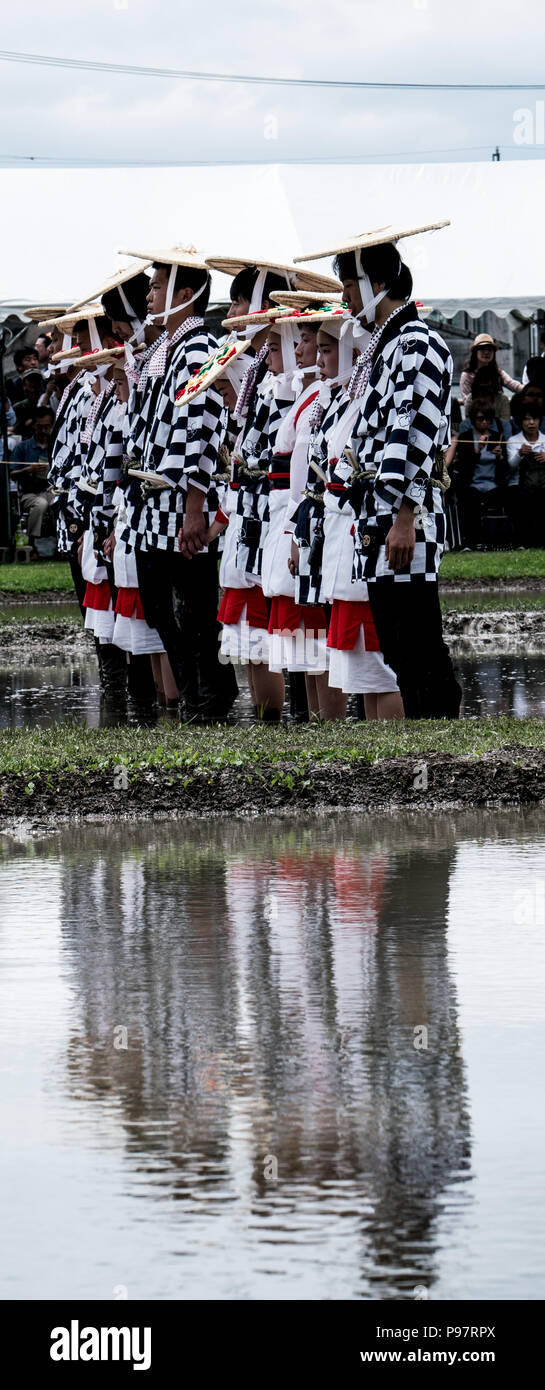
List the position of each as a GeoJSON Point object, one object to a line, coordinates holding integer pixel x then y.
{"type": "Point", "coordinates": [86, 115]}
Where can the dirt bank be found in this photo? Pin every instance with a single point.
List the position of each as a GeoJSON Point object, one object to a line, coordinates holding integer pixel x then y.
{"type": "Point", "coordinates": [509, 777]}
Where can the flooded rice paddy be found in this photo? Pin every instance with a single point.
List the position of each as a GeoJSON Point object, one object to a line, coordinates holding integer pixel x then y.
{"type": "Point", "coordinates": [274, 1061]}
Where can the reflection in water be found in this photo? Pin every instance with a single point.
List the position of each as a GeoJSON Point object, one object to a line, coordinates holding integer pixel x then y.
{"type": "Point", "coordinates": [271, 1129]}
{"type": "Point", "coordinates": [67, 688]}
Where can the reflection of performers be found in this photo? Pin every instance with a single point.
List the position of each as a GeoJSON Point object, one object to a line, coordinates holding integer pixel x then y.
{"type": "Point", "coordinates": [271, 989]}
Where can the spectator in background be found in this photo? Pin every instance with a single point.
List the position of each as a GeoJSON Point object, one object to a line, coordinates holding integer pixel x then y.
{"type": "Point", "coordinates": [25, 409]}
{"type": "Point", "coordinates": [478, 465]}
{"type": "Point", "coordinates": [535, 359]}
{"type": "Point", "coordinates": [530, 395]}
{"type": "Point", "coordinates": [25, 360]}
{"type": "Point", "coordinates": [44, 349]}
{"type": "Point", "coordinates": [483, 357]}
{"type": "Point", "coordinates": [32, 455]}
{"type": "Point", "coordinates": [485, 388]}
{"type": "Point", "coordinates": [526, 459]}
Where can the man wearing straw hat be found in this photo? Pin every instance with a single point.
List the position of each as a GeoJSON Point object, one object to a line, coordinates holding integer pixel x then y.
{"type": "Point", "coordinates": [404, 378]}
{"type": "Point", "coordinates": [175, 451]}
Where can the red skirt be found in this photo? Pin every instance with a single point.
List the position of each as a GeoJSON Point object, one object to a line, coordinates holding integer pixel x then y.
{"type": "Point", "coordinates": [286, 616]}
{"type": "Point", "coordinates": [234, 602]}
{"type": "Point", "coordinates": [129, 604]}
{"type": "Point", "coordinates": [346, 620]}
{"type": "Point", "coordinates": [98, 596]}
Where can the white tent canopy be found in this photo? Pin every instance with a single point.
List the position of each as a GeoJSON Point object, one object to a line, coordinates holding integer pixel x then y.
{"type": "Point", "coordinates": [62, 227]}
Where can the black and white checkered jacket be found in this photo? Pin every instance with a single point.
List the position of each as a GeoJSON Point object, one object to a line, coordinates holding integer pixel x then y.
{"type": "Point", "coordinates": [181, 442]}
{"type": "Point", "coordinates": [101, 458]}
{"type": "Point", "coordinates": [255, 453]}
{"type": "Point", "coordinates": [403, 423]}
{"type": "Point", "coordinates": [309, 518]}
{"type": "Point", "coordinates": [66, 459]}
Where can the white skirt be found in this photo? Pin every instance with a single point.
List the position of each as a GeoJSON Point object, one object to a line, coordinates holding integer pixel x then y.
{"type": "Point", "coordinates": [102, 622]}
{"type": "Point", "coordinates": [298, 651]}
{"type": "Point", "coordinates": [131, 634]}
{"type": "Point", "coordinates": [241, 643]}
{"type": "Point", "coordinates": [359, 672]}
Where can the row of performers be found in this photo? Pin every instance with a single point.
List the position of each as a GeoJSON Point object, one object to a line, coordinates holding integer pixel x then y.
{"type": "Point", "coordinates": [306, 446]}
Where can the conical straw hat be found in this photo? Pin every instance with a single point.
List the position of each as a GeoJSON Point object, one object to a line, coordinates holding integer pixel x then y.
{"type": "Point", "coordinates": [379, 237]}
{"type": "Point", "coordinates": [300, 279]}
{"type": "Point", "coordinates": [173, 255]}
{"type": "Point", "coordinates": [120, 277]}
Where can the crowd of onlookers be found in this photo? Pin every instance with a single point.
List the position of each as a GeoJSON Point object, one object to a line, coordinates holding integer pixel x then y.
{"type": "Point", "coordinates": [496, 460]}
{"type": "Point", "coordinates": [33, 394]}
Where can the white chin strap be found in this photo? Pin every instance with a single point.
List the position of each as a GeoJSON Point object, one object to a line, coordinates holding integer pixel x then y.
{"type": "Point", "coordinates": [137, 324]}
{"type": "Point", "coordinates": [66, 345]}
{"type": "Point", "coordinates": [368, 299]}
{"type": "Point", "coordinates": [167, 312]}
{"type": "Point", "coordinates": [94, 336]}
{"type": "Point", "coordinates": [236, 371]}
{"type": "Point", "coordinates": [257, 292]}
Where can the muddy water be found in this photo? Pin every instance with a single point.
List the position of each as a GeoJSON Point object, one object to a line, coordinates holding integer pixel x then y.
{"type": "Point", "coordinates": [288, 1062]}
{"type": "Point", "coordinates": [41, 693]}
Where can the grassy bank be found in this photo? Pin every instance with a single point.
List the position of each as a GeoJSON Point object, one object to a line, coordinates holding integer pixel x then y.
{"type": "Point", "coordinates": [174, 750]}
{"type": "Point", "coordinates": [69, 772]}
{"type": "Point", "coordinates": [37, 577]}
{"type": "Point", "coordinates": [500, 567]}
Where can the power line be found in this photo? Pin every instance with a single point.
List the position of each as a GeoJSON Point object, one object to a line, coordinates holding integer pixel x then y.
{"type": "Point", "coordinates": [92, 65]}
{"type": "Point", "coordinates": [92, 162]}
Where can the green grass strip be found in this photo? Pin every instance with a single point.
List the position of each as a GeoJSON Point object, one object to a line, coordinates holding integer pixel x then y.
{"type": "Point", "coordinates": [37, 577]}
{"type": "Point", "coordinates": [69, 748]}
{"type": "Point", "coordinates": [493, 564]}
{"type": "Point", "coordinates": [53, 576]}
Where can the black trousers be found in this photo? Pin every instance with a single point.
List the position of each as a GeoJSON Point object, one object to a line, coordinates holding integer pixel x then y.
{"type": "Point", "coordinates": [410, 631]}
{"type": "Point", "coordinates": [180, 599]}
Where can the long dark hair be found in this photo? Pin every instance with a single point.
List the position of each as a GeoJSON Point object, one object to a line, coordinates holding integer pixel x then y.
{"type": "Point", "coordinates": [487, 381]}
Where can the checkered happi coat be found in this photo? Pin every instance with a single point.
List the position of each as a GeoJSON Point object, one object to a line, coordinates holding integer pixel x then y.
{"type": "Point", "coordinates": [403, 422]}
{"type": "Point", "coordinates": [255, 452]}
{"type": "Point", "coordinates": [181, 442]}
{"type": "Point", "coordinates": [309, 517]}
{"type": "Point", "coordinates": [65, 452]}
{"type": "Point", "coordinates": [101, 460]}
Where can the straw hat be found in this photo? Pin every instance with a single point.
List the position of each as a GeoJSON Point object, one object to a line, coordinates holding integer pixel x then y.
{"type": "Point", "coordinates": [302, 279]}
{"type": "Point", "coordinates": [39, 312]}
{"type": "Point", "coordinates": [301, 299]}
{"type": "Point", "coordinates": [175, 255]}
{"type": "Point", "coordinates": [484, 340]}
{"type": "Point", "coordinates": [379, 237]}
{"type": "Point", "coordinates": [67, 356]}
{"type": "Point", "coordinates": [211, 370]}
{"type": "Point", "coordinates": [325, 314]}
{"type": "Point", "coordinates": [95, 359]}
{"type": "Point", "coordinates": [245, 320]}
{"type": "Point", "coordinates": [119, 277]}
{"type": "Point", "coordinates": [67, 322]}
